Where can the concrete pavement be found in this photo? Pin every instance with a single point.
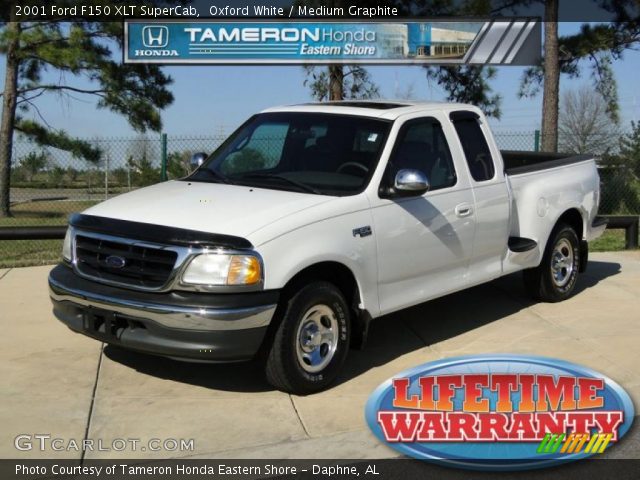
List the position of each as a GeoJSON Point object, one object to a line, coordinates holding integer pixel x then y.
{"type": "Point", "coordinates": [60, 383]}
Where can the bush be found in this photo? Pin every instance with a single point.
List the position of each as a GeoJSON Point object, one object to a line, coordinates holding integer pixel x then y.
{"type": "Point", "coordinates": [620, 175]}
{"type": "Point", "coordinates": [56, 177]}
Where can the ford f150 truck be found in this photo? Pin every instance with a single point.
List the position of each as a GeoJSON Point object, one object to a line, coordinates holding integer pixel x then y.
{"type": "Point", "coordinates": [312, 220]}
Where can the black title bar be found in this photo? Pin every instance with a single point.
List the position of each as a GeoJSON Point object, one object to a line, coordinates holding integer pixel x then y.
{"type": "Point", "coordinates": [117, 10]}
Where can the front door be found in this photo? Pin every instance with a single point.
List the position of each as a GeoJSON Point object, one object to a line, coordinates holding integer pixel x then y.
{"type": "Point", "coordinates": [425, 242]}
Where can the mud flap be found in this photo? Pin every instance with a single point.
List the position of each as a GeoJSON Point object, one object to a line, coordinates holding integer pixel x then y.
{"type": "Point", "coordinates": [584, 256]}
{"type": "Point", "coordinates": [360, 329]}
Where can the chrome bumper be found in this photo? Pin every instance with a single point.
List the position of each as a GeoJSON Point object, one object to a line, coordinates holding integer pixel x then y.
{"type": "Point", "coordinates": [170, 316]}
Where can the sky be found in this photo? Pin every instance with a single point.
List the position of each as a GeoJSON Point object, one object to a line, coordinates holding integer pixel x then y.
{"type": "Point", "coordinates": [210, 100]}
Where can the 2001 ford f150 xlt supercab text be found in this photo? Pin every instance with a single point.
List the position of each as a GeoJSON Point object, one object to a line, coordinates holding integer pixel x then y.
{"type": "Point", "coordinates": [311, 220]}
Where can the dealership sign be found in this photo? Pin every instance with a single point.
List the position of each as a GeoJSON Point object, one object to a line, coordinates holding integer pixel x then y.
{"type": "Point", "coordinates": [495, 42]}
{"type": "Point", "coordinates": [500, 412]}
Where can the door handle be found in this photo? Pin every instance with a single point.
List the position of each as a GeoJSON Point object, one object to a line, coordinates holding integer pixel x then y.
{"type": "Point", "coordinates": [464, 210]}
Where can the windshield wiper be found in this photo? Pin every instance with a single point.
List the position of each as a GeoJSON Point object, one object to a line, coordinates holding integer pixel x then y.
{"type": "Point", "coordinates": [274, 176]}
{"type": "Point", "coordinates": [214, 174]}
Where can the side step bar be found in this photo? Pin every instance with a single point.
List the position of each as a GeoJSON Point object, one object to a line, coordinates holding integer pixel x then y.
{"type": "Point", "coordinates": [520, 244]}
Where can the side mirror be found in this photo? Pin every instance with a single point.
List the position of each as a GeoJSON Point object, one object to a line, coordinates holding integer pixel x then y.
{"type": "Point", "coordinates": [411, 182]}
{"type": "Point", "coordinates": [197, 159]}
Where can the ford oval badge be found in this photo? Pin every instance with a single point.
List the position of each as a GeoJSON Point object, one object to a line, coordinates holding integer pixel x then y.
{"type": "Point", "coordinates": [114, 261]}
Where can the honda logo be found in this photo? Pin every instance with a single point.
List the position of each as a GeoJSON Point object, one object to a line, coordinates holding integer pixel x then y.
{"type": "Point", "coordinates": [155, 36]}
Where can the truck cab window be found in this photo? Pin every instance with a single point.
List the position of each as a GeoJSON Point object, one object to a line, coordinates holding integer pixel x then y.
{"type": "Point", "coordinates": [475, 147]}
{"type": "Point", "coordinates": [262, 150]}
{"type": "Point", "coordinates": [421, 145]}
{"type": "Point", "coordinates": [318, 153]}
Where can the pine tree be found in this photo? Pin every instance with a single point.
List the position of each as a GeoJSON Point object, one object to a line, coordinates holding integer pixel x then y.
{"type": "Point", "coordinates": [630, 149]}
{"type": "Point", "coordinates": [74, 49]}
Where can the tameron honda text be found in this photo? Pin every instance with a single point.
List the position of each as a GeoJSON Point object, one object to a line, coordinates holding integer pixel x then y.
{"type": "Point", "coordinates": [282, 42]}
{"type": "Point", "coordinates": [500, 412]}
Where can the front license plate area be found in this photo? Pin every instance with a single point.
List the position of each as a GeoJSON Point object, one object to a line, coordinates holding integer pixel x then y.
{"type": "Point", "coordinates": [103, 324]}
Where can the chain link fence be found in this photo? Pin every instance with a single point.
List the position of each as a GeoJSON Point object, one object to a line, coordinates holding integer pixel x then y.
{"type": "Point", "coordinates": [522, 141]}
{"type": "Point", "coordinates": [47, 185]}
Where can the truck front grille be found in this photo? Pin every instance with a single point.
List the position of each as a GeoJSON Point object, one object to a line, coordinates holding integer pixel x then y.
{"type": "Point", "coordinates": [123, 262]}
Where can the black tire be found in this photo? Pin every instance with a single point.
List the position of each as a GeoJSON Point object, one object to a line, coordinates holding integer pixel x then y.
{"type": "Point", "coordinates": [287, 363]}
{"type": "Point", "coordinates": [549, 285]}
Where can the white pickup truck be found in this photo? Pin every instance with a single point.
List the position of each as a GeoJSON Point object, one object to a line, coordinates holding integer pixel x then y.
{"type": "Point", "coordinates": [311, 220]}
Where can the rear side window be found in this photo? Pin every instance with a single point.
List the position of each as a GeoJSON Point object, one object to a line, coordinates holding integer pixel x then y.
{"type": "Point", "coordinates": [474, 145]}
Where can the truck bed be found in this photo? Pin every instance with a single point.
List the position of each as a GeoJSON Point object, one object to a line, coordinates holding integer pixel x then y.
{"type": "Point", "coordinates": [541, 194]}
{"type": "Point", "coordinates": [518, 162]}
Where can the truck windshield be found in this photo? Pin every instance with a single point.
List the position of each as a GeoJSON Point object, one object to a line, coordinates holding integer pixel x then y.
{"type": "Point", "coordinates": [314, 153]}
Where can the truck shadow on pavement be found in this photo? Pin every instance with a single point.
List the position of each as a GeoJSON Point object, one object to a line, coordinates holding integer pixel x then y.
{"type": "Point", "coordinates": [390, 336]}
{"type": "Point", "coordinates": [232, 377]}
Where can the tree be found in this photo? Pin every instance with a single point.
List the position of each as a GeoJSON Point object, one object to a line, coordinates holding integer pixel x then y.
{"type": "Point", "coordinates": [143, 147]}
{"type": "Point", "coordinates": [143, 171]}
{"type": "Point", "coordinates": [122, 176]}
{"type": "Point", "coordinates": [33, 164]}
{"type": "Point", "coordinates": [407, 92]}
{"type": "Point", "coordinates": [179, 164]}
{"type": "Point", "coordinates": [73, 49]}
{"type": "Point", "coordinates": [620, 176]}
{"type": "Point", "coordinates": [142, 155]}
{"type": "Point", "coordinates": [465, 83]}
{"type": "Point", "coordinates": [598, 44]}
{"type": "Point", "coordinates": [338, 82]}
{"type": "Point", "coordinates": [92, 177]}
{"type": "Point", "coordinates": [584, 126]}
{"type": "Point", "coordinates": [72, 175]}
{"type": "Point", "coordinates": [245, 160]}
{"type": "Point", "coordinates": [551, 96]}
{"type": "Point", "coordinates": [468, 84]}
{"type": "Point", "coordinates": [630, 149]}
{"type": "Point", "coordinates": [56, 176]}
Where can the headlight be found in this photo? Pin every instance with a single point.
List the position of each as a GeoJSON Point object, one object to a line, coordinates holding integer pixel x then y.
{"type": "Point", "coordinates": [66, 246]}
{"type": "Point", "coordinates": [223, 269]}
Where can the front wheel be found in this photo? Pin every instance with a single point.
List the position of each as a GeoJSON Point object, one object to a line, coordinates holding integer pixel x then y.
{"type": "Point", "coordinates": [555, 278]}
{"type": "Point", "coordinates": [312, 340]}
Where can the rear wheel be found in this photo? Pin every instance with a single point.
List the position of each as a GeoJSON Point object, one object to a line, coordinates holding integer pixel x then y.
{"type": "Point", "coordinates": [312, 340]}
{"type": "Point", "coordinates": [555, 278]}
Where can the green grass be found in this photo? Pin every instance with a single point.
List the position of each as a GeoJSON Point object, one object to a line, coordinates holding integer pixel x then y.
{"type": "Point", "coordinates": [42, 252]}
{"type": "Point", "coordinates": [22, 253]}
{"type": "Point", "coordinates": [43, 213]}
{"type": "Point", "coordinates": [16, 253]}
{"type": "Point", "coordinates": [610, 241]}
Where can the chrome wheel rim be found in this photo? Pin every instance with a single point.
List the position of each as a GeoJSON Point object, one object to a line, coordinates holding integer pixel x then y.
{"type": "Point", "coordinates": [562, 262]}
{"type": "Point", "coordinates": [317, 338]}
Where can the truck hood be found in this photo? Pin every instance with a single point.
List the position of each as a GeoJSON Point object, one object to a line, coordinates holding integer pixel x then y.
{"type": "Point", "coordinates": [208, 207]}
